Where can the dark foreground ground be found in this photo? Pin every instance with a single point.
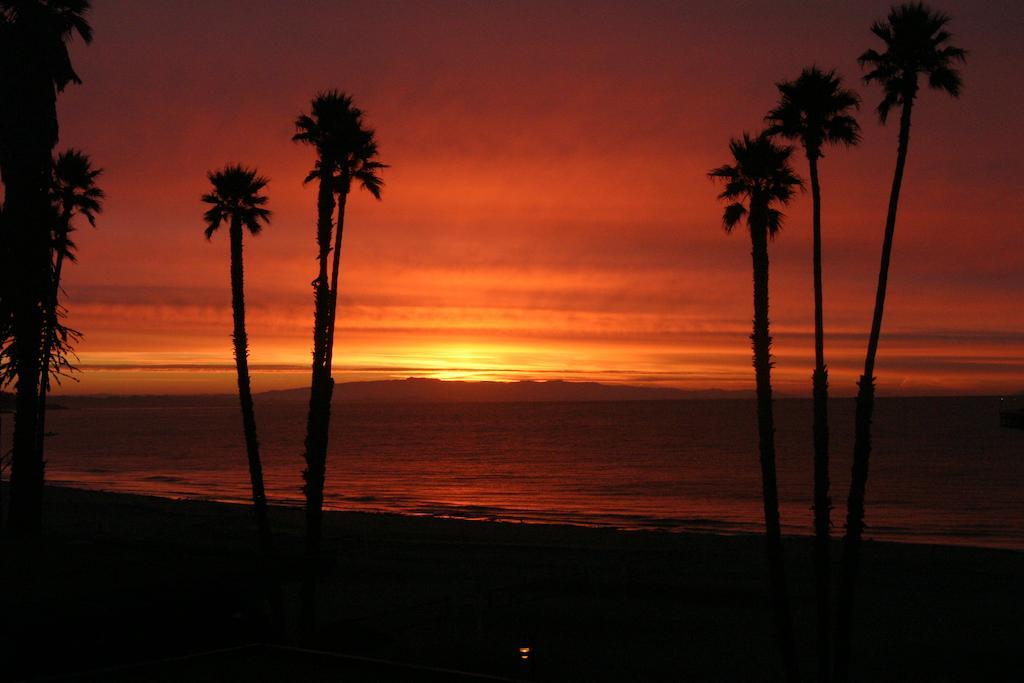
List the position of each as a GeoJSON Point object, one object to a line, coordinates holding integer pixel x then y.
{"type": "Point", "coordinates": [120, 580]}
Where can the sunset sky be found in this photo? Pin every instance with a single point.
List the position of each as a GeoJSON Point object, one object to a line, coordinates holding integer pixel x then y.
{"type": "Point", "coordinates": [547, 213]}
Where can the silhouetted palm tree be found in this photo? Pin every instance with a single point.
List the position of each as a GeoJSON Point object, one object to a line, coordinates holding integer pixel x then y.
{"type": "Point", "coordinates": [237, 200]}
{"type": "Point", "coordinates": [759, 180]}
{"type": "Point", "coordinates": [916, 45]}
{"type": "Point", "coordinates": [816, 110]}
{"type": "Point", "coordinates": [34, 67]}
{"type": "Point", "coordinates": [346, 153]}
{"type": "Point", "coordinates": [74, 193]}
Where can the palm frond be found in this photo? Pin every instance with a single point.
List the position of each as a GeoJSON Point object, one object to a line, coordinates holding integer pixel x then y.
{"type": "Point", "coordinates": [916, 45]}
{"type": "Point", "coordinates": [809, 108]}
{"type": "Point", "coordinates": [73, 192]}
{"type": "Point", "coordinates": [732, 215]}
{"type": "Point", "coordinates": [346, 147]}
{"type": "Point", "coordinates": [842, 130]}
{"type": "Point", "coordinates": [773, 219]}
{"type": "Point", "coordinates": [214, 217]}
{"type": "Point", "coordinates": [759, 178]}
{"type": "Point", "coordinates": [47, 28]}
{"type": "Point", "coordinates": [236, 195]}
{"type": "Point", "coordinates": [946, 79]}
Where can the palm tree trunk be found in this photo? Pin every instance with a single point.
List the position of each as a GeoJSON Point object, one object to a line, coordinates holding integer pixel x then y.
{"type": "Point", "coordinates": [241, 343]}
{"type": "Point", "coordinates": [862, 424]}
{"type": "Point", "coordinates": [822, 499]}
{"type": "Point", "coordinates": [2, 454]}
{"type": "Point", "coordinates": [342, 197]}
{"type": "Point", "coordinates": [318, 421]}
{"type": "Point", "coordinates": [49, 334]}
{"type": "Point", "coordinates": [26, 214]}
{"type": "Point", "coordinates": [26, 465]}
{"type": "Point", "coordinates": [322, 394]}
{"type": "Point", "coordinates": [252, 444]}
{"type": "Point", "coordinates": [766, 440]}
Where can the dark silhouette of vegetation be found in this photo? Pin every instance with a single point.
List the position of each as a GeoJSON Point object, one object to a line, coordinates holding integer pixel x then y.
{"type": "Point", "coordinates": [74, 193]}
{"type": "Point", "coordinates": [816, 110]}
{"type": "Point", "coordinates": [6, 321]}
{"type": "Point", "coordinates": [916, 45]}
{"type": "Point", "coordinates": [5, 401]}
{"type": "Point", "coordinates": [34, 67]}
{"type": "Point", "coordinates": [6, 334]}
{"type": "Point", "coordinates": [759, 180]}
{"type": "Point", "coordinates": [346, 153]}
{"type": "Point", "coordinates": [236, 199]}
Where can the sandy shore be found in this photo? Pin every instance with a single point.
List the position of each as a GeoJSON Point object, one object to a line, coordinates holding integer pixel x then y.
{"type": "Point", "coordinates": [123, 578]}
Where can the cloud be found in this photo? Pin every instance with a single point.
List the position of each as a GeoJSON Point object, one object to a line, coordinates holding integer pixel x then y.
{"type": "Point", "coordinates": [547, 196]}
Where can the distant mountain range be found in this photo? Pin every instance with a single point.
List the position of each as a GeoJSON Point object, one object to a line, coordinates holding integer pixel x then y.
{"type": "Point", "coordinates": [424, 390]}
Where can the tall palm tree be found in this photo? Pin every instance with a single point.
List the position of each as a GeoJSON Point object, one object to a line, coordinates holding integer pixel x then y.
{"type": "Point", "coordinates": [34, 67]}
{"type": "Point", "coordinates": [916, 45]}
{"type": "Point", "coordinates": [815, 110]}
{"type": "Point", "coordinates": [74, 193]}
{"type": "Point", "coordinates": [236, 199]}
{"type": "Point", "coordinates": [760, 180]}
{"type": "Point", "coordinates": [346, 153]}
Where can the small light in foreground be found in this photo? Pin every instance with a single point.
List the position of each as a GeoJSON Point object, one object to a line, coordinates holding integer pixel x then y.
{"type": "Point", "coordinates": [524, 653]}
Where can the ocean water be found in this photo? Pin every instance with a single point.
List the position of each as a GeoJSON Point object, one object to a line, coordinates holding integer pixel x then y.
{"type": "Point", "coordinates": [942, 469]}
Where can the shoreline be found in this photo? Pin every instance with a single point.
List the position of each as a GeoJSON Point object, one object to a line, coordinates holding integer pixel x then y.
{"type": "Point", "coordinates": [710, 527]}
{"type": "Point", "coordinates": [119, 578]}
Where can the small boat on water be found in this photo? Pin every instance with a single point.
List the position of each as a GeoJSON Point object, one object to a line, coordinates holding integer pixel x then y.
{"type": "Point", "coordinates": [1011, 413]}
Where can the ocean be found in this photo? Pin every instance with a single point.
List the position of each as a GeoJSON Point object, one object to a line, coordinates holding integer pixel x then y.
{"type": "Point", "coordinates": [942, 469]}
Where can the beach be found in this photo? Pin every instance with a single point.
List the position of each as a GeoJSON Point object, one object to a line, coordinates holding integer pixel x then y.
{"type": "Point", "coordinates": [118, 579]}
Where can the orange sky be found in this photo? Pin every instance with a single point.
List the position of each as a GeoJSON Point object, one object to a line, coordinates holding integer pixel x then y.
{"type": "Point", "coordinates": [547, 213]}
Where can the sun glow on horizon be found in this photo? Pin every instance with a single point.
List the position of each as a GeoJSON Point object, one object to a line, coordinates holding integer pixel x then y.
{"type": "Point", "coordinates": [601, 260]}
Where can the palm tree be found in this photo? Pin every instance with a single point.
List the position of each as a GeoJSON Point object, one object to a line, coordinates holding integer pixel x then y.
{"type": "Point", "coordinates": [74, 193]}
{"type": "Point", "coordinates": [759, 181]}
{"type": "Point", "coordinates": [346, 153]}
{"type": "Point", "coordinates": [236, 199]}
{"type": "Point", "coordinates": [816, 110]}
{"type": "Point", "coordinates": [916, 45]}
{"type": "Point", "coordinates": [34, 67]}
